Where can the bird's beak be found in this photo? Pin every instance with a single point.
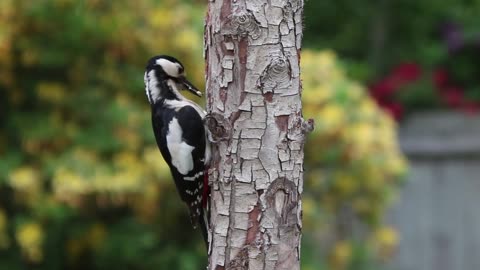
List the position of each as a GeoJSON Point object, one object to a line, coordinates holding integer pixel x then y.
{"type": "Point", "coordinates": [189, 86]}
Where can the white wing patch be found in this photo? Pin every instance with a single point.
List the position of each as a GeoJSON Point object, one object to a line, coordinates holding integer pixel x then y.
{"type": "Point", "coordinates": [180, 151]}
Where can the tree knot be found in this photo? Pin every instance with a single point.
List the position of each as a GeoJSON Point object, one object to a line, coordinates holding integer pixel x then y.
{"type": "Point", "coordinates": [218, 128]}
{"type": "Point", "coordinates": [277, 75]}
{"type": "Point", "coordinates": [308, 126]}
{"type": "Point", "coordinates": [244, 24]}
{"type": "Point", "coordinates": [282, 195]}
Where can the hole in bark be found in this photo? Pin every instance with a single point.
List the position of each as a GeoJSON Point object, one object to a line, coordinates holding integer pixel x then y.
{"type": "Point", "coordinates": [219, 127]}
{"type": "Point", "coordinates": [282, 122]}
{"type": "Point", "coordinates": [268, 96]}
{"type": "Point", "coordinates": [308, 126]}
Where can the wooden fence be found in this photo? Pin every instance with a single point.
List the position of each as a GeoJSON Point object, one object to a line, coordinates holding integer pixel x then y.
{"type": "Point", "coordinates": [438, 214]}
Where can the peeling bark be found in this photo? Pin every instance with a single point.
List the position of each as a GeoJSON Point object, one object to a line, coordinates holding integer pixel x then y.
{"type": "Point", "coordinates": [253, 99]}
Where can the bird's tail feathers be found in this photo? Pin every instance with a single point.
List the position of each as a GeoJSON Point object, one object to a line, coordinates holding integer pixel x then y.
{"type": "Point", "coordinates": [204, 225]}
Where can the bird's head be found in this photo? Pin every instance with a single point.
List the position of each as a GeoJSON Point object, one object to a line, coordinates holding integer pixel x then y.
{"type": "Point", "coordinates": [164, 76]}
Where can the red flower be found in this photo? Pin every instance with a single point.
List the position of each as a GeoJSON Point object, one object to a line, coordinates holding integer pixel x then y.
{"type": "Point", "coordinates": [470, 107]}
{"type": "Point", "coordinates": [440, 78]}
{"type": "Point", "coordinates": [407, 72]}
{"type": "Point", "coordinates": [384, 91]}
{"type": "Point", "coordinates": [453, 97]}
{"type": "Point", "coordinates": [395, 109]}
{"type": "Point", "coordinates": [383, 88]}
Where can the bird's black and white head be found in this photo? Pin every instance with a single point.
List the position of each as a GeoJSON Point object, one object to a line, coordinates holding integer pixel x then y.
{"type": "Point", "coordinates": [164, 77]}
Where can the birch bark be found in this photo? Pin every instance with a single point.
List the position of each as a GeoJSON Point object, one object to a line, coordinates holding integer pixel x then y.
{"type": "Point", "coordinates": [252, 50]}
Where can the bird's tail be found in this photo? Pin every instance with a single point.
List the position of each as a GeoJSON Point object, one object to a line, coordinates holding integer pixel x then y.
{"type": "Point", "coordinates": [204, 226]}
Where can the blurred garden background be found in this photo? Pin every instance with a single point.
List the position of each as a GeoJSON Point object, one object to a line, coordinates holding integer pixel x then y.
{"type": "Point", "coordinates": [83, 186]}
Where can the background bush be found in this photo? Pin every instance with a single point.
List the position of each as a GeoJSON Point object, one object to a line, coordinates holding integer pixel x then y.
{"type": "Point", "coordinates": [82, 184]}
{"type": "Point", "coordinates": [379, 38]}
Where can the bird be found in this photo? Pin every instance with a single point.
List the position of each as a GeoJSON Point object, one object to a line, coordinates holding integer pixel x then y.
{"type": "Point", "coordinates": [180, 133]}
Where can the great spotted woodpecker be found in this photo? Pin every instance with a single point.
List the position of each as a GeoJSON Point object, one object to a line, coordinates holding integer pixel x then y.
{"type": "Point", "coordinates": [180, 134]}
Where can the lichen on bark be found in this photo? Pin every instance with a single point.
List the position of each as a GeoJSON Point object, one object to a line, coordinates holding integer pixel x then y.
{"type": "Point", "coordinates": [253, 90]}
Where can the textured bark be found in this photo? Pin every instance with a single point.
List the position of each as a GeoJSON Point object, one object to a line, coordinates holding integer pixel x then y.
{"type": "Point", "coordinates": [253, 96]}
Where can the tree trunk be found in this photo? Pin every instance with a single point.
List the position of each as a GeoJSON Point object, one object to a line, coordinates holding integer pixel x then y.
{"type": "Point", "coordinates": [253, 99]}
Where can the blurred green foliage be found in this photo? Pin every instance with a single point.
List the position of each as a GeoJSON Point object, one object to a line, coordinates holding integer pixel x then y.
{"type": "Point", "coordinates": [376, 35]}
{"type": "Point", "coordinates": [82, 183]}
{"type": "Point", "coordinates": [378, 38]}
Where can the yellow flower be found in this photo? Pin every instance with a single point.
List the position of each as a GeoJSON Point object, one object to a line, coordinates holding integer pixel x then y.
{"type": "Point", "coordinates": [161, 18]}
{"type": "Point", "coordinates": [26, 179]}
{"type": "Point", "coordinates": [30, 238]}
{"type": "Point", "coordinates": [126, 181]}
{"type": "Point", "coordinates": [345, 183]}
{"type": "Point", "coordinates": [317, 95]}
{"type": "Point", "coordinates": [153, 160]}
{"type": "Point", "coordinates": [125, 159]}
{"type": "Point", "coordinates": [327, 58]}
{"type": "Point", "coordinates": [387, 236]}
{"type": "Point", "coordinates": [374, 180]}
{"type": "Point", "coordinates": [308, 206]}
{"type": "Point", "coordinates": [101, 181]}
{"type": "Point", "coordinates": [67, 183]}
{"type": "Point", "coordinates": [84, 155]}
{"type": "Point", "coordinates": [360, 141]}
{"type": "Point", "coordinates": [386, 240]}
{"type": "Point", "coordinates": [332, 116]}
{"type": "Point", "coordinates": [341, 255]}
{"type": "Point", "coordinates": [396, 165]}
{"type": "Point", "coordinates": [360, 137]}
{"type": "Point", "coordinates": [187, 39]}
{"type": "Point", "coordinates": [368, 109]}
{"type": "Point", "coordinates": [7, 8]}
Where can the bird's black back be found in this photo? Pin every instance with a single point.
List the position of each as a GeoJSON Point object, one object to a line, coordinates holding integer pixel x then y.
{"type": "Point", "coordinates": [193, 135]}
